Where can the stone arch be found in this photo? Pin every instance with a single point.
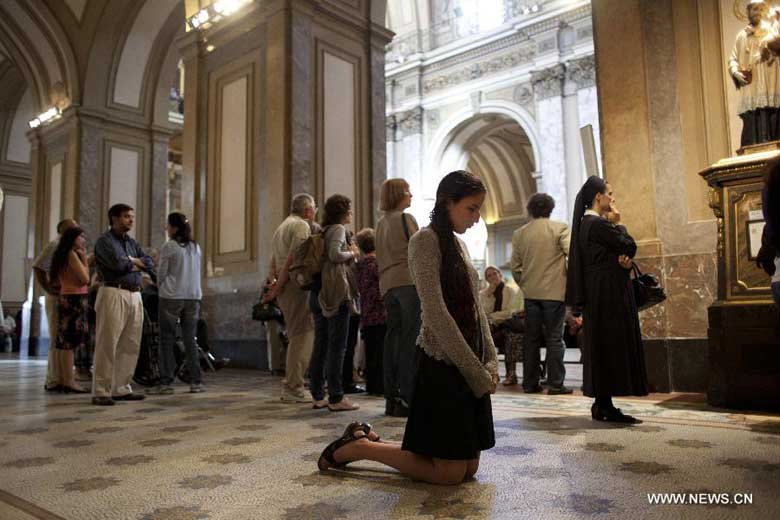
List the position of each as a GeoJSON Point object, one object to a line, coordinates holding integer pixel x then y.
{"type": "Point", "coordinates": [138, 55]}
{"type": "Point", "coordinates": [449, 145]}
{"type": "Point", "coordinates": [37, 43]}
{"type": "Point", "coordinates": [135, 54]}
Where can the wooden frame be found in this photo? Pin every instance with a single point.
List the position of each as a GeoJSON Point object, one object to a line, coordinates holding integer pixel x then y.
{"type": "Point", "coordinates": [142, 186]}
{"type": "Point", "coordinates": [243, 260]}
{"type": "Point", "coordinates": [323, 43]}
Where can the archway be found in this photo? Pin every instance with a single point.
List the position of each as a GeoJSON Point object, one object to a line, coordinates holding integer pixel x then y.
{"type": "Point", "coordinates": [499, 145]}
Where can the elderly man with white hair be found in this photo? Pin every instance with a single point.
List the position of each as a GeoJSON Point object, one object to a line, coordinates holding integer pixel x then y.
{"type": "Point", "coordinates": [293, 301]}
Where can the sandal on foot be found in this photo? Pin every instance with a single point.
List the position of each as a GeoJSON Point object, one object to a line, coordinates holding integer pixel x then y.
{"type": "Point", "coordinates": [326, 457]}
{"type": "Point", "coordinates": [361, 426]}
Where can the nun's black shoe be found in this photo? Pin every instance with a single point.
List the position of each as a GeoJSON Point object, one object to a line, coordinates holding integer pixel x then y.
{"type": "Point", "coordinates": [616, 416]}
{"type": "Point", "coordinates": [612, 415]}
{"type": "Point", "coordinates": [55, 388]}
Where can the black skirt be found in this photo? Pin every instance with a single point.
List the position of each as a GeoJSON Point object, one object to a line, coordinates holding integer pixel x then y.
{"type": "Point", "coordinates": [445, 420]}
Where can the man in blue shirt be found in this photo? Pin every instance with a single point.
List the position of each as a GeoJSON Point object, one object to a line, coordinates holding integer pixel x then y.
{"type": "Point", "coordinates": [119, 311]}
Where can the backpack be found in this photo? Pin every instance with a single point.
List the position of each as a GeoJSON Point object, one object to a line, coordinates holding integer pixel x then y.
{"type": "Point", "coordinates": [307, 261]}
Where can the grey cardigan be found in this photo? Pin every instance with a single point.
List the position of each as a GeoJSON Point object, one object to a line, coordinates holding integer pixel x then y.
{"type": "Point", "coordinates": [338, 278]}
{"type": "Point", "coordinates": [440, 336]}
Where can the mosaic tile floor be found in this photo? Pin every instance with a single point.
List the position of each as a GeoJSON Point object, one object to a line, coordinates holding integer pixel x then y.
{"type": "Point", "coordinates": [235, 452]}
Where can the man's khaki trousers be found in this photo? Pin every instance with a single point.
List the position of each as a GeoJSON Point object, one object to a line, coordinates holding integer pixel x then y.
{"type": "Point", "coordinates": [120, 318]}
{"type": "Point", "coordinates": [300, 333]}
{"type": "Point", "coordinates": [53, 376]}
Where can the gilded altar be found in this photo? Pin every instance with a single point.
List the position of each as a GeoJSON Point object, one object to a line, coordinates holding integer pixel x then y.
{"type": "Point", "coordinates": [735, 198]}
{"type": "Point", "coordinates": [743, 346]}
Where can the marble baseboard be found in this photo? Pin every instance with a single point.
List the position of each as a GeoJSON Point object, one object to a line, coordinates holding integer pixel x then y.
{"type": "Point", "coordinates": [676, 364]}
{"type": "Point", "coordinates": [242, 353]}
{"type": "Point", "coordinates": [229, 316]}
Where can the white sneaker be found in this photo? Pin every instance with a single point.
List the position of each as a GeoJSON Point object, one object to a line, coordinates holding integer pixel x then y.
{"type": "Point", "coordinates": [318, 405]}
{"type": "Point", "coordinates": [289, 396]}
{"type": "Point", "coordinates": [345, 405]}
{"type": "Point", "coordinates": [197, 388]}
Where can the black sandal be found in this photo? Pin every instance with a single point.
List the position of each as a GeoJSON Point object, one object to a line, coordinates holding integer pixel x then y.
{"type": "Point", "coordinates": [360, 426]}
{"type": "Point", "coordinates": [330, 450]}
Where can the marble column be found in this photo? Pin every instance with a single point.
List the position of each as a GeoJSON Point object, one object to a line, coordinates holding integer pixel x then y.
{"type": "Point", "coordinates": [571, 141]}
{"type": "Point", "coordinates": [379, 148]}
{"type": "Point", "coordinates": [409, 155]}
{"type": "Point", "coordinates": [548, 90]}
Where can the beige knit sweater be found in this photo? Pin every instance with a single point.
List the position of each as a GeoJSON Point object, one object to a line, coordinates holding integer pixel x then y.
{"type": "Point", "coordinates": [440, 336]}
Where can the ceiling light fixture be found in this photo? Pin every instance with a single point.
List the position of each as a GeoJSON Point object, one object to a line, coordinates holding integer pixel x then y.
{"type": "Point", "coordinates": [215, 12]}
{"type": "Point", "coordinates": [50, 115]}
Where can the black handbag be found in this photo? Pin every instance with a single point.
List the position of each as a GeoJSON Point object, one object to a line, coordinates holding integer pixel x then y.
{"type": "Point", "coordinates": [648, 291]}
{"type": "Point", "coordinates": [266, 312]}
{"type": "Point", "coordinates": [514, 324]}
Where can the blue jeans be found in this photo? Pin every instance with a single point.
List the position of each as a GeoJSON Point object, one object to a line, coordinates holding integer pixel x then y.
{"type": "Point", "coordinates": [403, 327]}
{"type": "Point", "coordinates": [174, 313]}
{"type": "Point", "coordinates": [776, 292]}
{"type": "Point", "coordinates": [330, 345]}
{"type": "Point", "coordinates": [544, 321]}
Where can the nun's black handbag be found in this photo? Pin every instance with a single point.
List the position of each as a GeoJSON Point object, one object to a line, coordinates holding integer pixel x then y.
{"type": "Point", "coordinates": [647, 289]}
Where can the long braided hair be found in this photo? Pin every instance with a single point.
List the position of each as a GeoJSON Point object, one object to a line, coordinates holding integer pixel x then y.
{"type": "Point", "coordinates": [454, 273]}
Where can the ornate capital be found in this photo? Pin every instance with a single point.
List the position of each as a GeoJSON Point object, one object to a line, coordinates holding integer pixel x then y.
{"type": "Point", "coordinates": [582, 71]}
{"type": "Point", "coordinates": [548, 82]}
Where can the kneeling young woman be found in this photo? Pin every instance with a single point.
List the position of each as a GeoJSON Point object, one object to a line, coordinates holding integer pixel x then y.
{"type": "Point", "coordinates": [450, 418]}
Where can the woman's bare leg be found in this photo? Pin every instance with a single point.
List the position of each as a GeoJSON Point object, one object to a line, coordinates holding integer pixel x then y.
{"type": "Point", "coordinates": [66, 369]}
{"type": "Point", "coordinates": [418, 467]}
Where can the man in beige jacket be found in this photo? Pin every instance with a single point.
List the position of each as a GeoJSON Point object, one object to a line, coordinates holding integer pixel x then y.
{"type": "Point", "coordinates": [292, 299]}
{"type": "Point", "coordinates": [539, 251]}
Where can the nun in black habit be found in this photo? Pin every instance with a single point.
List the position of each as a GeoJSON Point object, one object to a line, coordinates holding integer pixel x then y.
{"type": "Point", "coordinates": [599, 284]}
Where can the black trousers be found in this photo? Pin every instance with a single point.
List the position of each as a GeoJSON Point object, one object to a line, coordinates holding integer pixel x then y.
{"type": "Point", "coordinates": [374, 339]}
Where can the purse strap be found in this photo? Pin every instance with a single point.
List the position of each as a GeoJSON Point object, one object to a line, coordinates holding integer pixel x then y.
{"type": "Point", "coordinates": [635, 269]}
{"type": "Point", "coordinates": [406, 226]}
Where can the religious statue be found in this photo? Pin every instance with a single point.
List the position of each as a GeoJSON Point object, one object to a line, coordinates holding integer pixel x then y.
{"type": "Point", "coordinates": [754, 66]}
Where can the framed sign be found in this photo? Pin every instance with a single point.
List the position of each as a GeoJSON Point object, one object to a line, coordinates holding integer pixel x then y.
{"type": "Point", "coordinates": [755, 228]}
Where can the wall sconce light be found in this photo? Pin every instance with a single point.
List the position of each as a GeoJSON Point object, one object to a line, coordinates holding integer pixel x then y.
{"type": "Point", "coordinates": [215, 12]}
{"type": "Point", "coordinates": [50, 115]}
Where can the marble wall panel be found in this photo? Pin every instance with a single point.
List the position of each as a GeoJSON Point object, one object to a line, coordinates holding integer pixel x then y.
{"type": "Point", "coordinates": [691, 284]}
{"type": "Point", "coordinates": [14, 248]}
{"type": "Point", "coordinates": [653, 320]}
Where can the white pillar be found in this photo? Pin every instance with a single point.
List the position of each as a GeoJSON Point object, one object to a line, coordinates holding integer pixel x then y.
{"type": "Point", "coordinates": [548, 89]}
{"type": "Point", "coordinates": [571, 143]}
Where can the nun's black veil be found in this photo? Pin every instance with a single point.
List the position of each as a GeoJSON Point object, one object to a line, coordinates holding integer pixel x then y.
{"type": "Point", "coordinates": [575, 279]}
